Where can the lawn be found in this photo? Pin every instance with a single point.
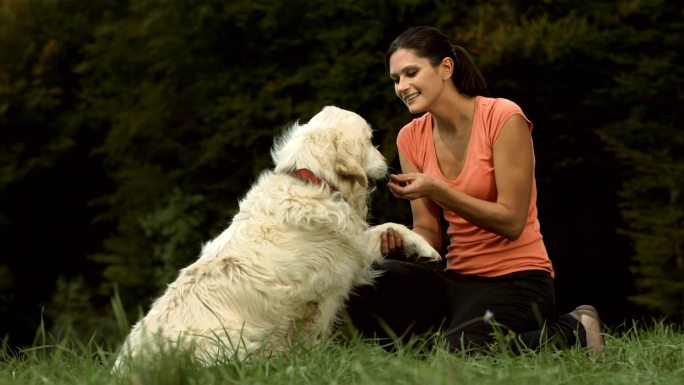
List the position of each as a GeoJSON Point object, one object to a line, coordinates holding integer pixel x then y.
{"type": "Point", "coordinates": [635, 355]}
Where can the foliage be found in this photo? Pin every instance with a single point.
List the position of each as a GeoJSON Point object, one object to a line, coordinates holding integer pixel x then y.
{"type": "Point", "coordinates": [47, 175]}
{"type": "Point", "coordinates": [647, 133]}
{"type": "Point", "coordinates": [225, 78]}
{"type": "Point", "coordinates": [626, 59]}
{"type": "Point", "coordinates": [130, 130]}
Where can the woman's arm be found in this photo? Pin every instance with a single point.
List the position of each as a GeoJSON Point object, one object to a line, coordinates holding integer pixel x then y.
{"type": "Point", "coordinates": [426, 219]}
{"type": "Point", "coordinates": [426, 213]}
{"type": "Point", "coordinates": [514, 167]}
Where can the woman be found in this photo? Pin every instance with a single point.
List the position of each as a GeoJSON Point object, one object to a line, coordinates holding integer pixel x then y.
{"type": "Point", "coordinates": [468, 160]}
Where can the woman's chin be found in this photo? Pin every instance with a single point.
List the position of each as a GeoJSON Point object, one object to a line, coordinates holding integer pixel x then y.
{"type": "Point", "coordinates": [415, 109]}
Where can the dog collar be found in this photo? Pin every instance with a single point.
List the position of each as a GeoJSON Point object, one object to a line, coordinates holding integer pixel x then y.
{"type": "Point", "coordinates": [307, 175]}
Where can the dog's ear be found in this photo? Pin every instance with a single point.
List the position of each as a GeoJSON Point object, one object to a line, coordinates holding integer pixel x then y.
{"type": "Point", "coordinates": [353, 170]}
{"type": "Point", "coordinates": [347, 160]}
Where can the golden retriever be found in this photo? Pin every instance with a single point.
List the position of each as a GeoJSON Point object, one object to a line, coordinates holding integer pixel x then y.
{"type": "Point", "coordinates": [290, 257]}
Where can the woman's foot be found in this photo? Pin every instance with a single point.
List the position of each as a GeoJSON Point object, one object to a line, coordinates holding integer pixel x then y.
{"type": "Point", "coordinates": [589, 318]}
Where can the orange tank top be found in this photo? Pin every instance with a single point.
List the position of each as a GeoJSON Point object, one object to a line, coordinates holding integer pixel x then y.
{"type": "Point", "coordinates": [473, 250]}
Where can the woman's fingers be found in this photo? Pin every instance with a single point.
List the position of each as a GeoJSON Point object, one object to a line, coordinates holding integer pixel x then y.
{"type": "Point", "coordinates": [390, 242]}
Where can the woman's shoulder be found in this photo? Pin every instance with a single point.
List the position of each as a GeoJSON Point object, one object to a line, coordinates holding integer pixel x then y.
{"type": "Point", "coordinates": [418, 126]}
{"type": "Point", "coordinates": [420, 123]}
{"type": "Point", "coordinates": [494, 112]}
{"type": "Point", "coordinates": [498, 105]}
{"type": "Point", "coordinates": [414, 138]}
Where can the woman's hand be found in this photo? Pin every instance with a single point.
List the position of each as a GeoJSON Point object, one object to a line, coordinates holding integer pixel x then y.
{"type": "Point", "coordinates": [411, 186]}
{"type": "Point", "coordinates": [390, 242]}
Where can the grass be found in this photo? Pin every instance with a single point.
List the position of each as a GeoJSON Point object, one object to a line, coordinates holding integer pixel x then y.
{"type": "Point", "coordinates": [653, 355]}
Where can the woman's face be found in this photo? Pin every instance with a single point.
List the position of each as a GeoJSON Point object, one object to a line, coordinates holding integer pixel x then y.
{"type": "Point", "coordinates": [416, 82]}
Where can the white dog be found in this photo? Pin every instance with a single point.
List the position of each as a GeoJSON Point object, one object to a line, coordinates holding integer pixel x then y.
{"type": "Point", "coordinates": [290, 257]}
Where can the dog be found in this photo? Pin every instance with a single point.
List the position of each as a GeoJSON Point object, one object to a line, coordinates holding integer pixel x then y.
{"type": "Point", "coordinates": [290, 257]}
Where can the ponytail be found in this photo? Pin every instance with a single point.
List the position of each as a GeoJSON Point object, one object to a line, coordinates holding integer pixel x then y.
{"type": "Point", "coordinates": [467, 76]}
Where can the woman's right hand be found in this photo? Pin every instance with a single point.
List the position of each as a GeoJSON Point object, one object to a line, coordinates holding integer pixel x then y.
{"type": "Point", "coordinates": [390, 242]}
{"type": "Point", "coordinates": [411, 186]}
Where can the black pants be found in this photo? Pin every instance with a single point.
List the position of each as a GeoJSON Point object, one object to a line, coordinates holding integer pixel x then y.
{"type": "Point", "coordinates": [415, 300]}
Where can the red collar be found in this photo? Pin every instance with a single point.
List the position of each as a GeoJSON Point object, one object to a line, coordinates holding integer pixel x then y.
{"type": "Point", "coordinates": [307, 175]}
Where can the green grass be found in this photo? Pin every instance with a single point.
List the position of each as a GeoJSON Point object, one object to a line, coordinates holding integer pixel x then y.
{"type": "Point", "coordinates": [636, 356]}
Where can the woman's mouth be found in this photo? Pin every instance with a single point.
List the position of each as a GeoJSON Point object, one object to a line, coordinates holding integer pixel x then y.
{"type": "Point", "coordinates": [410, 98]}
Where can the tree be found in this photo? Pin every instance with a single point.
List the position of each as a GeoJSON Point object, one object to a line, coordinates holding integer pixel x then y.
{"type": "Point", "coordinates": [647, 134]}
{"type": "Point", "coordinates": [192, 94]}
{"type": "Point", "coordinates": [130, 130]}
{"type": "Point", "coordinates": [47, 175]}
{"type": "Point", "coordinates": [602, 85]}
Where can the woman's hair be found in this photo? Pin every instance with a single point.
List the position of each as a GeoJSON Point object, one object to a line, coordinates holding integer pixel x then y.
{"type": "Point", "coordinates": [430, 43]}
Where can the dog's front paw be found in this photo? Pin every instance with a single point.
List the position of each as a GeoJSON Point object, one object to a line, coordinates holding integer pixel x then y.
{"type": "Point", "coordinates": [417, 247]}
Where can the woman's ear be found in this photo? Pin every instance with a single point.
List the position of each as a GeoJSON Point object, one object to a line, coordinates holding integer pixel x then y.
{"type": "Point", "coordinates": [446, 68]}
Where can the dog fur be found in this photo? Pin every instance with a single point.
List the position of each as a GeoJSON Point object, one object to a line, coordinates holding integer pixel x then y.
{"type": "Point", "coordinates": [290, 257]}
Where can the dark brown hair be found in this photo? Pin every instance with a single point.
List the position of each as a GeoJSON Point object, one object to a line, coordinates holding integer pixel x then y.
{"type": "Point", "coordinates": [432, 44]}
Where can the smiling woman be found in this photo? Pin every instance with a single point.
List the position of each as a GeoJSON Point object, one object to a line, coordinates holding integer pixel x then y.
{"type": "Point", "coordinates": [469, 159]}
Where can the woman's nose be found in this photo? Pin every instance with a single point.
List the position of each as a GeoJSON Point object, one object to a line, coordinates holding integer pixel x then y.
{"type": "Point", "coordinates": [401, 86]}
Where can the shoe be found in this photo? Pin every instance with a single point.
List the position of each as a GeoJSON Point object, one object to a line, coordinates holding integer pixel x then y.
{"type": "Point", "coordinates": [589, 318]}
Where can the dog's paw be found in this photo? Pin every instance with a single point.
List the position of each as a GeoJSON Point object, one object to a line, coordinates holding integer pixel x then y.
{"type": "Point", "coordinates": [417, 247]}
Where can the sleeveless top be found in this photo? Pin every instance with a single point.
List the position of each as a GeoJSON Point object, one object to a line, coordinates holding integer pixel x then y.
{"type": "Point", "coordinates": [474, 250]}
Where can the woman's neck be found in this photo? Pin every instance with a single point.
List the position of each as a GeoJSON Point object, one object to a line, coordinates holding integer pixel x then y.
{"type": "Point", "coordinates": [453, 112]}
